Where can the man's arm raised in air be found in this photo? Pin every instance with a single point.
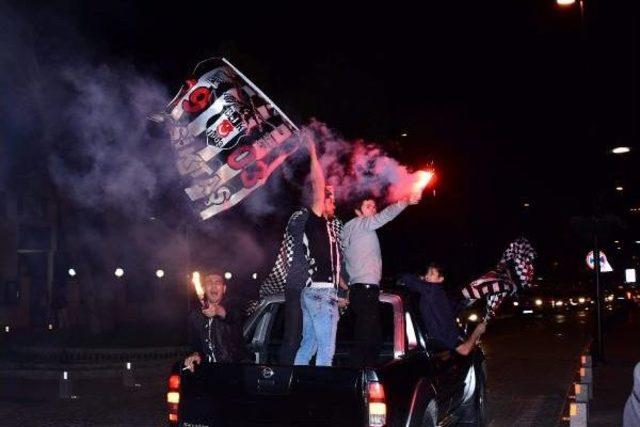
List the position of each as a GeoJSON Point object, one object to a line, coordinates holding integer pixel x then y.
{"type": "Point", "coordinates": [317, 178]}
{"type": "Point", "coordinates": [387, 214]}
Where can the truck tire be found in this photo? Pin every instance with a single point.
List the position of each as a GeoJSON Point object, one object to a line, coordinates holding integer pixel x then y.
{"type": "Point", "coordinates": [474, 413]}
{"type": "Point", "coordinates": [430, 418]}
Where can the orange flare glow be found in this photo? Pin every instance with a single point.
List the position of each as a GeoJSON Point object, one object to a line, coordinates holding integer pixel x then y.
{"type": "Point", "coordinates": [197, 284]}
{"type": "Point", "coordinates": [423, 178]}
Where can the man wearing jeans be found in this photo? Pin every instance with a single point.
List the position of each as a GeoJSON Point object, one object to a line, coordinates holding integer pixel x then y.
{"type": "Point", "coordinates": [364, 268]}
{"type": "Point", "coordinates": [320, 298]}
{"type": "Point", "coordinates": [305, 246]}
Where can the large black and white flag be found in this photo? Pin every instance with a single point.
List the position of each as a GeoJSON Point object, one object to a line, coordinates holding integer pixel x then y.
{"type": "Point", "coordinates": [227, 134]}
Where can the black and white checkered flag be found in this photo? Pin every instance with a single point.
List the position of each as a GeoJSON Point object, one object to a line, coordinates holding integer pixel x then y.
{"type": "Point", "coordinates": [514, 272]}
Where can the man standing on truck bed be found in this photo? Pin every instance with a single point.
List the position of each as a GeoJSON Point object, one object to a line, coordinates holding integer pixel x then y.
{"type": "Point", "coordinates": [215, 331]}
{"type": "Point", "coordinates": [364, 268]}
{"type": "Point", "coordinates": [309, 258]}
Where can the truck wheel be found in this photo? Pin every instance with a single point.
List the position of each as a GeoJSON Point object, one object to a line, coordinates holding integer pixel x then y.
{"type": "Point", "coordinates": [474, 413]}
{"type": "Point", "coordinates": [430, 418]}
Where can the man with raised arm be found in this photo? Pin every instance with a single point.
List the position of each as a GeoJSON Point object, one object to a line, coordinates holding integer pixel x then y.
{"type": "Point", "coordinates": [363, 260]}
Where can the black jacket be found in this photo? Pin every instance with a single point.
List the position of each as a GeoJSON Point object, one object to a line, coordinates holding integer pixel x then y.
{"type": "Point", "coordinates": [219, 340]}
{"type": "Point", "coordinates": [435, 310]}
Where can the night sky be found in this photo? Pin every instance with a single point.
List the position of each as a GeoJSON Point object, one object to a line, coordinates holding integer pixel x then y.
{"type": "Point", "coordinates": [513, 101]}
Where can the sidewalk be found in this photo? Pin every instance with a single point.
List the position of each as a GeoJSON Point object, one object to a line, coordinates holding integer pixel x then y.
{"type": "Point", "coordinates": [613, 378]}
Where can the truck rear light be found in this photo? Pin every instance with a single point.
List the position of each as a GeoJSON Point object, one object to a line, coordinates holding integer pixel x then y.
{"type": "Point", "coordinates": [174, 382]}
{"type": "Point", "coordinates": [173, 398]}
{"type": "Point", "coordinates": [376, 404]}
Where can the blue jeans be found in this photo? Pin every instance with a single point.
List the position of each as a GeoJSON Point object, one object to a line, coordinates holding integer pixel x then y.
{"type": "Point", "coordinates": [319, 326]}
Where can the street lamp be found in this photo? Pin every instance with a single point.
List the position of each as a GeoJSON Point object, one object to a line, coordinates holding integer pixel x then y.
{"type": "Point", "coordinates": [620, 150]}
{"type": "Point", "coordinates": [228, 275]}
{"type": "Point", "coordinates": [254, 276]}
{"type": "Point", "coordinates": [159, 273]}
{"type": "Point", "coordinates": [119, 272]}
{"type": "Point", "coordinates": [619, 188]}
{"type": "Point", "coordinates": [72, 272]}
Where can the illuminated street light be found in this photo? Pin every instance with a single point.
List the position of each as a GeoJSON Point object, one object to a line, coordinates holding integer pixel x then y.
{"type": "Point", "coordinates": [119, 272]}
{"type": "Point", "coordinates": [72, 272]}
{"type": "Point", "coordinates": [160, 273]}
{"type": "Point", "coordinates": [228, 275]}
{"type": "Point", "coordinates": [516, 303]}
{"type": "Point", "coordinates": [473, 317]}
{"type": "Point", "coordinates": [526, 205]}
{"type": "Point", "coordinates": [7, 329]}
{"type": "Point", "coordinates": [254, 276]}
{"type": "Point", "coordinates": [565, 2]}
{"type": "Point", "coordinates": [619, 188]}
{"type": "Point", "coordinates": [538, 302]}
{"type": "Point", "coordinates": [621, 150]}
{"type": "Point", "coordinates": [50, 327]}
{"type": "Point", "coordinates": [581, 300]}
{"type": "Point", "coordinates": [403, 134]}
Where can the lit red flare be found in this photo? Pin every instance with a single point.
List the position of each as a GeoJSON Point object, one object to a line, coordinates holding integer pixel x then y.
{"type": "Point", "coordinates": [422, 180]}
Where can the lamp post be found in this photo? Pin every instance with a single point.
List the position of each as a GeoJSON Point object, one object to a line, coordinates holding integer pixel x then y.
{"type": "Point", "coordinates": [595, 180]}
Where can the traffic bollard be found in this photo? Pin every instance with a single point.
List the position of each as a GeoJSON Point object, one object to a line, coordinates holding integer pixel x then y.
{"type": "Point", "coordinates": [64, 390]}
{"type": "Point", "coordinates": [582, 392]}
{"type": "Point", "coordinates": [578, 414]}
{"type": "Point", "coordinates": [127, 376]}
{"type": "Point", "coordinates": [586, 375]}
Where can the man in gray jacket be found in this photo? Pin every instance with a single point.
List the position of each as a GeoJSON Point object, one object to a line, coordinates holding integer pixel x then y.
{"type": "Point", "coordinates": [364, 267]}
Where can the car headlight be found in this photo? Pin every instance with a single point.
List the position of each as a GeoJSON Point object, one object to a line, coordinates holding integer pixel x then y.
{"type": "Point", "coordinates": [581, 300]}
{"type": "Point", "coordinates": [538, 302]}
{"type": "Point", "coordinates": [516, 303]}
{"type": "Point", "coordinates": [559, 303]}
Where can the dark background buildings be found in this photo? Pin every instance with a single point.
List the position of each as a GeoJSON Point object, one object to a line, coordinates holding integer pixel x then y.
{"type": "Point", "coordinates": [518, 103]}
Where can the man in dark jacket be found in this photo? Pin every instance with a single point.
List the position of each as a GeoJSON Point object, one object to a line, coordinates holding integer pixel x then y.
{"type": "Point", "coordinates": [215, 330]}
{"type": "Point", "coordinates": [437, 313]}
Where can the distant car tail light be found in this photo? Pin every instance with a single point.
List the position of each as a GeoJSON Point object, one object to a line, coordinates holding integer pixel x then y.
{"type": "Point", "coordinates": [173, 397]}
{"type": "Point", "coordinates": [377, 404]}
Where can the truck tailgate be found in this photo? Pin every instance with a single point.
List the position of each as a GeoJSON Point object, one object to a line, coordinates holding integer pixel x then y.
{"type": "Point", "coordinates": [259, 395]}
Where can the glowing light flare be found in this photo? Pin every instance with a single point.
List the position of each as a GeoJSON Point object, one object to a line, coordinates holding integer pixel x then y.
{"type": "Point", "coordinates": [197, 285]}
{"type": "Point", "coordinates": [422, 180]}
{"type": "Point", "coordinates": [72, 272]}
{"type": "Point", "coordinates": [119, 272]}
{"type": "Point", "coordinates": [159, 273]}
{"type": "Point", "coordinates": [228, 275]}
{"type": "Point", "coordinates": [565, 2]}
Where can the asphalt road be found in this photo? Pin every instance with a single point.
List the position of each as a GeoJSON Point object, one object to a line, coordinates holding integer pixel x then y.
{"type": "Point", "coordinates": [530, 364]}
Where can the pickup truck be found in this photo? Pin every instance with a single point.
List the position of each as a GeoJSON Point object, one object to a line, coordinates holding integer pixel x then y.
{"type": "Point", "coordinates": [416, 381]}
